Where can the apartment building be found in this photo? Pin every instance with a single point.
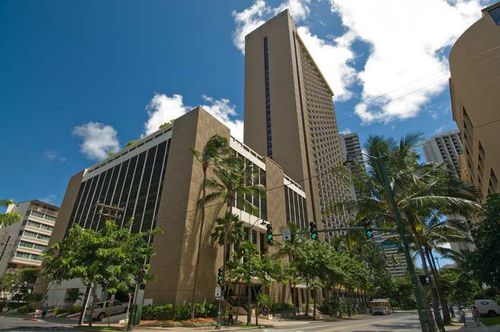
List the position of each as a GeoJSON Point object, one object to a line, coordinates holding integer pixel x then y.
{"type": "Point", "coordinates": [290, 117]}
{"type": "Point", "coordinates": [24, 242]}
{"type": "Point", "coordinates": [474, 89]}
{"type": "Point", "coordinates": [157, 181]}
{"type": "Point", "coordinates": [446, 149]}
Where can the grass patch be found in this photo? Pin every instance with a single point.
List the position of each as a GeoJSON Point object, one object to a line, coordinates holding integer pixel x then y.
{"type": "Point", "coordinates": [488, 321]}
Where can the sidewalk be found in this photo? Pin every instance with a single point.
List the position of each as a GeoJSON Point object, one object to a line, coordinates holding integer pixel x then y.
{"type": "Point", "coordinates": [471, 326]}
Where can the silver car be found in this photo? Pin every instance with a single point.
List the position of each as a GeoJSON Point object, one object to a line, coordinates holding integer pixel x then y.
{"type": "Point", "coordinates": [103, 309]}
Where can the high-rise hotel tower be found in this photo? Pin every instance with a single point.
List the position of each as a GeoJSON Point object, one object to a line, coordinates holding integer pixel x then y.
{"type": "Point", "coordinates": [289, 115]}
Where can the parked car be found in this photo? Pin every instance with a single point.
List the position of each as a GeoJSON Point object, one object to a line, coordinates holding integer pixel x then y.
{"type": "Point", "coordinates": [102, 309]}
{"type": "Point", "coordinates": [487, 307]}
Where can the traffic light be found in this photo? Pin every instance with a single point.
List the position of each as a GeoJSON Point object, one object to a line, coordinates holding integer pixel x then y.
{"type": "Point", "coordinates": [220, 277]}
{"type": "Point", "coordinates": [269, 234]}
{"type": "Point", "coordinates": [313, 230]}
{"type": "Point", "coordinates": [368, 230]}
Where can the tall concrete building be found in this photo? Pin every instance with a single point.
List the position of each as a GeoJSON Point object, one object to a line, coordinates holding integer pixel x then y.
{"type": "Point", "coordinates": [24, 242]}
{"type": "Point", "coordinates": [474, 88]}
{"type": "Point", "coordinates": [351, 148]}
{"type": "Point", "coordinates": [157, 181]}
{"type": "Point", "coordinates": [446, 149]}
{"type": "Point", "coordinates": [289, 115]}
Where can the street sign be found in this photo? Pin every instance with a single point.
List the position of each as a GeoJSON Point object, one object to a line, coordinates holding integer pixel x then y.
{"type": "Point", "coordinates": [425, 279]}
{"type": "Point", "coordinates": [287, 234]}
{"type": "Point", "coordinates": [218, 293]}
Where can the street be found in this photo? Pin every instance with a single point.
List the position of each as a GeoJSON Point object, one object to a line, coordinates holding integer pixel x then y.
{"type": "Point", "coordinates": [401, 322]}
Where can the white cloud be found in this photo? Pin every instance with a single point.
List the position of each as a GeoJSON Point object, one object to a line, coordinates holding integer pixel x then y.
{"type": "Point", "coordinates": [225, 112]}
{"type": "Point", "coordinates": [163, 108]}
{"type": "Point", "coordinates": [248, 20]}
{"type": "Point", "coordinates": [53, 156]}
{"type": "Point", "coordinates": [331, 56]}
{"type": "Point", "coordinates": [404, 69]}
{"type": "Point", "coordinates": [345, 131]}
{"type": "Point", "coordinates": [254, 16]}
{"type": "Point", "coordinates": [98, 140]}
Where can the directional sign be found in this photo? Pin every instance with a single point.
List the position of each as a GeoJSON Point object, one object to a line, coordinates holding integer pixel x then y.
{"type": "Point", "coordinates": [218, 293]}
{"type": "Point", "coordinates": [425, 279]}
{"type": "Point", "coordinates": [287, 234]}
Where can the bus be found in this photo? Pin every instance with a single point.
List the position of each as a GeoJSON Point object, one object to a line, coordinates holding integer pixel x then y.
{"type": "Point", "coordinates": [380, 307]}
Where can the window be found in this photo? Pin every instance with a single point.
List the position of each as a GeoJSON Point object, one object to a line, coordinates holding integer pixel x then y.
{"type": "Point", "coordinates": [24, 255]}
{"type": "Point", "coordinates": [495, 14]}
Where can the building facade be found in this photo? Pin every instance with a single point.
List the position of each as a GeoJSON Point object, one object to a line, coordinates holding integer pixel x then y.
{"type": "Point", "coordinates": [474, 89]}
{"type": "Point", "coordinates": [157, 182]}
{"type": "Point", "coordinates": [351, 148]}
{"type": "Point", "coordinates": [290, 118]}
{"type": "Point", "coordinates": [446, 149]}
{"type": "Point", "coordinates": [24, 242]}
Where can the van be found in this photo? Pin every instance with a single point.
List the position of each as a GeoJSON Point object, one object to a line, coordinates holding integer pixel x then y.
{"type": "Point", "coordinates": [487, 307]}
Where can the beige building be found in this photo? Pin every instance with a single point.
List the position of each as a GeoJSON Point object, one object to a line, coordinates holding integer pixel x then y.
{"type": "Point", "coordinates": [158, 181]}
{"type": "Point", "coordinates": [475, 94]}
{"type": "Point", "coordinates": [290, 118]}
{"type": "Point", "coordinates": [24, 242]}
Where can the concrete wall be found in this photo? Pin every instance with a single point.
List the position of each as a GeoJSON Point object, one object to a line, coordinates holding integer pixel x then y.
{"type": "Point", "coordinates": [175, 258]}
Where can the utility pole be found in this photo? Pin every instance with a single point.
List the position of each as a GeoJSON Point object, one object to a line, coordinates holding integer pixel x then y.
{"type": "Point", "coordinates": [424, 319]}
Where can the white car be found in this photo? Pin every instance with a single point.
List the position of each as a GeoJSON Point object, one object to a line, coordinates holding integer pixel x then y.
{"type": "Point", "coordinates": [102, 309]}
{"type": "Point", "coordinates": [487, 307]}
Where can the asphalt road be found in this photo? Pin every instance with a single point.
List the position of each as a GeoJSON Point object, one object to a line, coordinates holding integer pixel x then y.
{"type": "Point", "coordinates": [401, 322]}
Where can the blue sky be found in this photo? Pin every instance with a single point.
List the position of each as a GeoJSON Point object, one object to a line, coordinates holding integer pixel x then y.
{"type": "Point", "coordinates": [80, 78]}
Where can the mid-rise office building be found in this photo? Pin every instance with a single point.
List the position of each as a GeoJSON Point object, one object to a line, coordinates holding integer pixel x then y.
{"type": "Point", "coordinates": [24, 242]}
{"type": "Point", "coordinates": [157, 182]}
{"type": "Point", "coordinates": [474, 88]}
{"type": "Point", "coordinates": [290, 118]}
{"type": "Point", "coordinates": [446, 149]}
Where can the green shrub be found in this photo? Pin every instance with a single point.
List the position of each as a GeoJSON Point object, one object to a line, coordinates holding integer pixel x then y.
{"type": "Point", "coordinates": [75, 309]}
{"type": "Point", "coordinates": [180, 312]}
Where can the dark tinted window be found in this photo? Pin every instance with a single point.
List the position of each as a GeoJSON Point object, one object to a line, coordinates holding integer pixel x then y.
{"type": "Point", "coordinates": [495, 14]}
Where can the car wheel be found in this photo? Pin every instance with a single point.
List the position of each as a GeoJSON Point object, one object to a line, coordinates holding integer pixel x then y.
{"type": "Point", "coordinates": [101, 316]}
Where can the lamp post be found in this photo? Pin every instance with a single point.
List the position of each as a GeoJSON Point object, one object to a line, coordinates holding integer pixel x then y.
{"type": "Point", "coordinates": [249, 275]}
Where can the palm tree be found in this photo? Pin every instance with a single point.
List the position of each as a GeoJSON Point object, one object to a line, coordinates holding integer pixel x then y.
{"type": "Point", "coordinates": [418, 189]}
{"type": "Point", "coordinates": [232, 181]}
{"type": "Point", "coordinates": [215, 149]}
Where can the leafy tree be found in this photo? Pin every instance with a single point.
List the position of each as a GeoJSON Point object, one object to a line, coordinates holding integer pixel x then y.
{"type": "Point", "coordinates": [20, 283]}
{"type": "Point", "coordinates": [457, 286]}
{"type": "Point", "coordinates": [111, 257]}
{"type": "Point", "coordinates": [262, 267]}
{"type": "Point", "coordinates": [7, 219]}
{"type": "Point", "coordinates": [484, 261]}
{"type": "Point", "coordinates": [214, 150]}
{"type": "Point", "coordinates": [166, 124]}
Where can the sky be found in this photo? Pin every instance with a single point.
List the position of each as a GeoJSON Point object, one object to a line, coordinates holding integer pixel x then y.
{"type": "Point", "coordinates": [78, 79]}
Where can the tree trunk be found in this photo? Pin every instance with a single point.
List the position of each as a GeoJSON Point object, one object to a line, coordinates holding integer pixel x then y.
{"type": "Point", "coordinates": [434, 299]}
{"type": "Point", "coordinates": [85, 304]}
{"type": "Point", "coordinates": [314, 303]}
{"type": "Point", "coordinates": [442, 298]}
{"type": "Point", "coordinates": [92, 307]}
{"type": "Point", "coordinates": [200, 238]}
{"type": "Point", "coordinates": [307, 298]}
